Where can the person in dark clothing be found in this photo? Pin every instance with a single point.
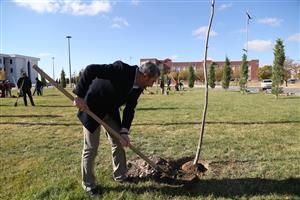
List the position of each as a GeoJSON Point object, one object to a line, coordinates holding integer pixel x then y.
{"type": "Point", "coordinates": [162, 85]}
{"type": "Point", "coordinates": [2, 89]}
{"type": "Point", "coordinates": [168, 84]}
{"type": "Point", "coordinates": [104, 89]}
{"type": "Point", "coordinates": [24, 84]}
{"type": "Point", "coordinates": [38, 87]}
{"type": "Point", "coordinates": [8, 85]}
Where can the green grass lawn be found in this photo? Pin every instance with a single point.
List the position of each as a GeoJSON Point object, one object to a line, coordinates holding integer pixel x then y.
{"type": "Point", "coordinates": [252, 142]}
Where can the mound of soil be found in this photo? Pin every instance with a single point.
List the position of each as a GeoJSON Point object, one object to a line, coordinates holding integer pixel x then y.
{"type": "Point", "coordinates": [180, 169]}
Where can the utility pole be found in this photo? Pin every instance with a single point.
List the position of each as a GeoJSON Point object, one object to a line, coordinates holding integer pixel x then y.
{"type": "Point", "coordinates": [69, 37]}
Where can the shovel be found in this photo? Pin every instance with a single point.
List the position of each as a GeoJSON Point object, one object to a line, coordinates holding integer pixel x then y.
{"type": "Point", "coordinates": [111, 131]}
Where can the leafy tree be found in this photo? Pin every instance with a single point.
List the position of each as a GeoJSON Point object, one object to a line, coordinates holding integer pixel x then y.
{"type": "Point", "coordinates": [63, 78]}
{"type": "Point", "coordinates": [298, 71]}
{"type": "Point", "coordinates": [265, 72]}
{"type": "Point", "coordinates": [278, 67]}
{"type": "Point", "coordinates": [236, 74]}
{"type": "Point", "coordinates": [291, 66]}
{"type": "Point", "coordinates": [211, 76]}
{"type": "Point", "coordinates": [286, 75]}
{"type": "Point", "coordinates": [183, 75]}
{"type": "Point", "coordinates": [226, 74]}
{"type": "Point", "coordinates": [290, 69]}
{"type": "Point", "coordinates": [200, 75]}
{"type": "Point", "coordinates": [191, 76]}
{"type": "Point", "coordinates": [243, 74]}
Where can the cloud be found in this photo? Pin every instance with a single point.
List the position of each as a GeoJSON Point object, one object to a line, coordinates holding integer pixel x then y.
{"type": "Point", "coordinates": [294, 38]}
{"type": "Point", "coordinates": [39, 6]}
{"type": "Point", "coordinates": [79, 8]}
{"type": "Point", "coordinates": [260, 45]}
{"type": "Point", "coordinates": [135, 2]}
{"type": "Point", "coordinates": [200, 32]}
{"type": "Point", "coordinates": [271, 21]}
{"type": "Point", "coordinates": [119, 22]}
{"type": "Point", "coordinates": [224, 6]}
{"type": "Point", "coordinates": [74, 7]}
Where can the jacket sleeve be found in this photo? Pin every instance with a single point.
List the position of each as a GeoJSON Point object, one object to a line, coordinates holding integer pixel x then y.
{"type": "Point", "coordinates": [94, 71]}
{"type": "Point", "coordinates": [19, 83]}
{"type": "Point", "coordinates": [128, 112]}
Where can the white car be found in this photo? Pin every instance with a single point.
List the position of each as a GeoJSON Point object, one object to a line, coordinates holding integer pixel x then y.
{"type": "Point", "coordinates": [266, 84]}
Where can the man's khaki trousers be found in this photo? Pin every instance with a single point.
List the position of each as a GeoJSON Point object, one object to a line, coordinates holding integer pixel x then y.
{"type": "Point", "coordinates": [90, 150]}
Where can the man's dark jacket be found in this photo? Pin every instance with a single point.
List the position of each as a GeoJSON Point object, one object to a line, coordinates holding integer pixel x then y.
{"type": "Point", "coordinates": [25, 83]}
{"type": "Point", "coordinates": [105, 88]}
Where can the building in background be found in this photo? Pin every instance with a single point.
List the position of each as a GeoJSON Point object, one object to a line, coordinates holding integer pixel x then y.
{"type": "Point", "coordinates": [12, 64]}
{"type": "Point", "coordinates": [253, 65]}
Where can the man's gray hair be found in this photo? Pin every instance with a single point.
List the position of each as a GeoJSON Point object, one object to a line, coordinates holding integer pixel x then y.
{"type": "Point", "coordinates": [150, 69]}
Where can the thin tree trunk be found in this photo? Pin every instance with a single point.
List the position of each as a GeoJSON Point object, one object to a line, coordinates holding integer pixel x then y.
{"type": "Point", "coordinates": [206, 86]}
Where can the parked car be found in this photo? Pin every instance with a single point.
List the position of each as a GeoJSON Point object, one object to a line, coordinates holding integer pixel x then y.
{"type": "Point", "coordinates": [266, 84]}
{"type": "Point", "coordinates": [291, 80]}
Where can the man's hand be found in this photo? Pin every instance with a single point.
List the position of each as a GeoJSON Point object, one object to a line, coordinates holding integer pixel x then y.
{"type": "Point", "coordinates": [126, 140]}
{"type": "Point", "coordinates": [80, 103]}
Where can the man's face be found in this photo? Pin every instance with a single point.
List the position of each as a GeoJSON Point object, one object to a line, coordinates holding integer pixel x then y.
{"type": "Point", "coordinates": [148, 81]}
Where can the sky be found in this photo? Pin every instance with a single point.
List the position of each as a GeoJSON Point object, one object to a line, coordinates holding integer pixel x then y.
{"type": "Point", "coordinates": [104, 31]}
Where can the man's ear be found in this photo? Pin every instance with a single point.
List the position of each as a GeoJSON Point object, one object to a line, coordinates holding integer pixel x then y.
{"type": "Point", "coordinates": [145, 76]}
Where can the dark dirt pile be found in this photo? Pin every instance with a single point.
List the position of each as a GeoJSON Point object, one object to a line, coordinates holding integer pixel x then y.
{"type": "Point", "coordinates": [180, 169]}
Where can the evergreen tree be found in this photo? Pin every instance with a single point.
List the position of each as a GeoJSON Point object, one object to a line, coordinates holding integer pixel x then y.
{"type": "Point", "coordinates": [191, 76]}
{"type": "Point", "coordinates": [63, 78]}
{"type": "Point", "coordinates": [243, 74]}
{"type": "Point", "coordinates": [211, 76]}
{"type": "Point", "coordinates": [226, 74]}
{"type": "Point", "coordinates": [278, 67]}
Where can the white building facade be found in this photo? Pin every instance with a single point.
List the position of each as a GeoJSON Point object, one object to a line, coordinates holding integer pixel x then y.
{"type": "Point", "coordinates": [12, 64]}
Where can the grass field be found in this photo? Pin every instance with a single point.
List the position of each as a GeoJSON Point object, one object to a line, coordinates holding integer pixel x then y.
{"type": "Point", "coordinates": [252, 142]}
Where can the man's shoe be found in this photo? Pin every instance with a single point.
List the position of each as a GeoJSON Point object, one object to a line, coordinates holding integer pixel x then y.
{"type": "Point", "coordinates": [95, 192]}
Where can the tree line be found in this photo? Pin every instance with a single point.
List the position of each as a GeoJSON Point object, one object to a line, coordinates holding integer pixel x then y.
{"type": "Point", "coordinates": [281, 70]}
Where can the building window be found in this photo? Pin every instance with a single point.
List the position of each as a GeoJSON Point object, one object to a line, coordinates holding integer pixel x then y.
{"type": "Point", "coordinates": [10, 61]}
{"type": "Point", "coordinates": [0, 61]}
{"type": "Point", "coordinates": [11, 70]}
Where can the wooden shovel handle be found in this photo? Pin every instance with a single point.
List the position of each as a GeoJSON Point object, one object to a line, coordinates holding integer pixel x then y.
{"type": "Point", "coordinates": [111, 131]}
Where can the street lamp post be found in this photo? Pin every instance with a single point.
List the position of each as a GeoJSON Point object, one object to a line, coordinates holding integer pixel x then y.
{"type": "Point", "coordinates": [53, 68]}
{"type": "Point", "coordinates": [247, 24]}
{"type": "Point", "coordinates": [69, 37]}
